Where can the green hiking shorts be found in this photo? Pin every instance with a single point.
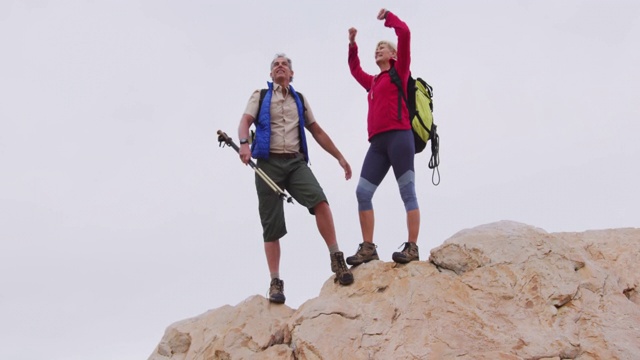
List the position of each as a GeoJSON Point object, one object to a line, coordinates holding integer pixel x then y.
{"type": "Point", "coordinates": [292, 175]}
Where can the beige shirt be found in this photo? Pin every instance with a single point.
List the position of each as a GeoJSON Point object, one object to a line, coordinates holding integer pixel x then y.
{"type": "Point", "coordinates": [284, 119]}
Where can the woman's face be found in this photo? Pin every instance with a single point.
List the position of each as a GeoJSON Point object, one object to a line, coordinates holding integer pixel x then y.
{"type": "Point", "coordinates": [384, 53]}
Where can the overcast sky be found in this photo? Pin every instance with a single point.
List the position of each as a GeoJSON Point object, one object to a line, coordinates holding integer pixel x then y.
{"type": "Point", "coordinates": [119, 213]}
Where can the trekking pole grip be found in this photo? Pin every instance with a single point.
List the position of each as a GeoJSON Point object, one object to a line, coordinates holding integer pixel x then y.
{"type": "Point", "coordinates": [223, 137]}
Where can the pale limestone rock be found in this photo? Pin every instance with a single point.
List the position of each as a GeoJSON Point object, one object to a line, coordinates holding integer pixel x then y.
{"type": "Point", "coordinates": [251, 328]}
{"type": "Point", "coordinates": [499, 291]}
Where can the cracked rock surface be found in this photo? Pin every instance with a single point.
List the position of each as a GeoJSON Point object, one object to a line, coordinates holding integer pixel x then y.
{"type": "Point", "coordinates": [503, 290]}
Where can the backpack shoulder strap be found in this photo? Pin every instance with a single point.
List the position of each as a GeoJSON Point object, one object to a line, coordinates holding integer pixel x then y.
{"type": "Point", "coordinates": [304, 108]}
{"type": "Point", "coordinates": [263, 93]}
{"type": "Point", "coordinates": [395, 78]}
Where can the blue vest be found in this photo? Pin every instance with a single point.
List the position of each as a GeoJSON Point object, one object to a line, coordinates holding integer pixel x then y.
{"type": "Point", "coordinates": [262, 142]}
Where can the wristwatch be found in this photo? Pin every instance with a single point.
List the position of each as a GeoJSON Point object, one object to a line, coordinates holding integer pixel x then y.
{"type": "Point", "coordinates": [244, 141]}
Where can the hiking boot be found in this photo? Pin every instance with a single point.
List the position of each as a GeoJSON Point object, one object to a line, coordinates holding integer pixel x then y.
{"type": "Point", "coordinates": [343, 274]}
{"type": "Point", "coordinates": [409, 253]}
{"type": "Point", "coordinates": [276, 291]}
{"type": "Point", "coordinates": [366, 252]}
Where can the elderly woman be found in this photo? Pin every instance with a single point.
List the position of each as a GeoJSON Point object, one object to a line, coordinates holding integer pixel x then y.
{"type": "Point", "coordinates": [390, 137]}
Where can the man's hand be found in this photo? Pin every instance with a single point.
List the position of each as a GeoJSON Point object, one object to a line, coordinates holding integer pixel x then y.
{"type": "Point", "coordinates": [347, 168]}
{"type": "Point", "coordinates": [382, 14]}
{"type": "Point", "coordinates": [245, 153]}
{"type": "Point", "coordinates": [352, 35]}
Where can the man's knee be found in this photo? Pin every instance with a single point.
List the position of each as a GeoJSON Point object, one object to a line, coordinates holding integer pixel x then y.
{"type": "Point", "coordinates": [320, 207]}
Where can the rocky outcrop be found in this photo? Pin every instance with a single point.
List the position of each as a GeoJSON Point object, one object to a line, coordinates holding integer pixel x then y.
{"type": "Point", "coordinates": [499, 291]}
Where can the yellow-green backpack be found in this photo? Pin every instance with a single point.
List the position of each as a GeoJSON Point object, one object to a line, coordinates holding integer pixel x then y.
{"type": "Point", "coordinates": [418, 98]}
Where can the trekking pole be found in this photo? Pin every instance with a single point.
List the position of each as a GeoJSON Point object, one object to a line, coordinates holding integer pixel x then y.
{"type": "Point", "coordinates": [224, 138]}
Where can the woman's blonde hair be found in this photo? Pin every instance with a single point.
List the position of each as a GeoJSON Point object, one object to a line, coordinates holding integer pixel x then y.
{"type": "Point", "coordinates": [390, 44]}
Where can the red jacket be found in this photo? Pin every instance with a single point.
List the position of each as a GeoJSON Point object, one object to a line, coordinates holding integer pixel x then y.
{"type": "Point", "coordinates": [382, 92]}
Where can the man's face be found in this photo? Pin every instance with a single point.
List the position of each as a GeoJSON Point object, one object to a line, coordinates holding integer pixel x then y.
{"type": "Point", "coordinates": [280, 70]}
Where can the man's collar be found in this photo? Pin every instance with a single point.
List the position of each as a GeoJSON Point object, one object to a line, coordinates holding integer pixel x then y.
{"type": "Point", "coordinates": [278, 87]}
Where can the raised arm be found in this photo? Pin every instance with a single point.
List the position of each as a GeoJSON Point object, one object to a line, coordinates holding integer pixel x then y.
{"type": "Point", "coordinates": [404, 41]}
{"type": "Point", "coordinates": [361, 77]}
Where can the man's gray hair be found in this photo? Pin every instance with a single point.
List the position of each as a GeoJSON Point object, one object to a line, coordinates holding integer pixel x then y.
{"type": "Point", "coordinates": [282, 55]}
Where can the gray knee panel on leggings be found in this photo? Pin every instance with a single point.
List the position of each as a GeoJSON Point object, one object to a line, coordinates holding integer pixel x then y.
{"type": "Point", "coordinates": [406, 184]}
{"type": "Point", "coordinates": [364, 194]}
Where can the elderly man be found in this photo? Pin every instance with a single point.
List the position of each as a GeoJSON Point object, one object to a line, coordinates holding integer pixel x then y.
{"type": "Point", "coordinates": [281, 116]}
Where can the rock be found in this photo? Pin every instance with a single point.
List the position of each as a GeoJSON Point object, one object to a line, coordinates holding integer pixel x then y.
{"type": "Point", "coordinates": [504, 290]}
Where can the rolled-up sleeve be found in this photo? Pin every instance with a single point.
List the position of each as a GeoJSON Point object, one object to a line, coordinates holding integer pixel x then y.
{"type": "Point", "coordinates": [252, 105]}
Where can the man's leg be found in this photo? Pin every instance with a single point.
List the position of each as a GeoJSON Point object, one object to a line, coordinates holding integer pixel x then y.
{"type": "Point", "coordinates": [273, 225]}
{"type": "Point", "coordinates": [324, 221]}
{"type": "Point", "coordinates": [276, 287]}
{"type": "Point", "coordinates": [304, 187]}
{"type": "Point", "coordinates": [272, 251]}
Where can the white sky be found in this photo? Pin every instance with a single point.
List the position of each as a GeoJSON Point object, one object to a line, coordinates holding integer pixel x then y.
{"type": "Point", "coordinates": [119, 213]}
